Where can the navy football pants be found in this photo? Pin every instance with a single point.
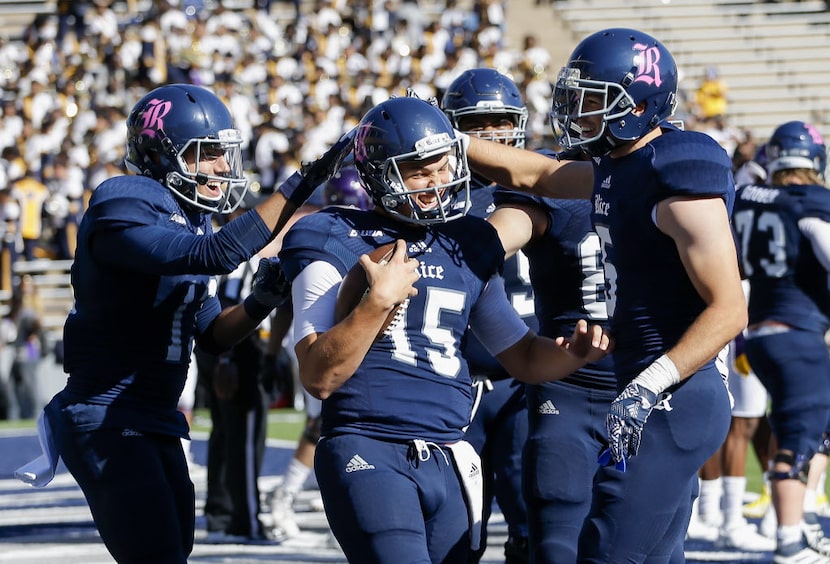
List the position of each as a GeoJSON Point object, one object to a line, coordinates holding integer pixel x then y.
{"type": "Point", "coordinates": [139, 492]}
{"type": "Point", "coordinates": [498, 433]}
{"type": "Point", "coordinates": [566, 434]}
{"type": "Point", "coordinates": [641, 515]}
{"type": "Point", "coordinates": [384, 505]}
{"type": "Point", "coordinates": [795, 369]}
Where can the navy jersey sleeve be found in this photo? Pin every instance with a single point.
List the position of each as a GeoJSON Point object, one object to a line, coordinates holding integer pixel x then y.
{"type": "Point", "coordinates": [309, 240]}
{"type": "Point", "coordinates": [689, 163]}
{"type": "Point", "coordinates": [143, 234]}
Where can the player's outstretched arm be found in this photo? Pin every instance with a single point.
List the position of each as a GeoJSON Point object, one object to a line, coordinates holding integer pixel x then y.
{"type": "Point", "coordinates": [529, 171]}
{"type": "Point", "coordinates": [535, 359]}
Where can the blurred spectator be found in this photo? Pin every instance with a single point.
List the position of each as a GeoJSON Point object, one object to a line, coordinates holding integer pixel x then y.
{"type": "Point", "coordinates": [71, 13]}
{"type": "Point", "coordinates": [29, 346]}
{"type": "Point", "coordinates": [10, 243]}
{"type": "Point", "coordinates": [727, 136]}
{"type": "Point", "coordinates": [711, 96]}
{"type": "Point", "coordinates": [64, 206]}
{"type": "Point", "coordinates": [8, 403]}
{"type": "Point", "coordinates": [11, 124]}
{"type": "Point", "coordinates": [31, 194]}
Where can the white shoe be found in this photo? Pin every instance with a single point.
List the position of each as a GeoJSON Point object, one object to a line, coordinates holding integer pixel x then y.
{"type": "Point", "coordinates": [798, 553]}
{"type": "Point", "coordinates": [701, 530]}
{"type": "Point", "coordinates": [282, 514]}
{"type": "Point", "coordinates": [814, 534]}
{"type": "Point", "coordinates": [744, 536]}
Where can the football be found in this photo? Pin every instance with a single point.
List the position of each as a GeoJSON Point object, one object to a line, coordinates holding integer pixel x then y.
{"type": "Point", "coordinates": [355, 285]}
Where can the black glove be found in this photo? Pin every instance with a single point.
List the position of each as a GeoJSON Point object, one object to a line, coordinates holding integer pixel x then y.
{"type": "Point", "coordinates": [270, 286]}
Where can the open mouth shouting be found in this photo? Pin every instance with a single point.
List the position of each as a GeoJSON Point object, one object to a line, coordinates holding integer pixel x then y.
{"type": "Point", "coordinates": [429, 199]}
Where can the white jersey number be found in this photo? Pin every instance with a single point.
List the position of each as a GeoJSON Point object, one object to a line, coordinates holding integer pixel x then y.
{"type": "Point", "coordinates": [610, 271]}
{"type": "Point", "coordinates": [774, 263]}
{"type": "Point", "coordinates": [443, 356]}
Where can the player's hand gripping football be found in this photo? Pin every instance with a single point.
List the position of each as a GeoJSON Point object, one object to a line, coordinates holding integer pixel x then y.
{"type": "Point", "coordinates": [392, 281]}
{"type": "Point", "coordinates": [300, 185]}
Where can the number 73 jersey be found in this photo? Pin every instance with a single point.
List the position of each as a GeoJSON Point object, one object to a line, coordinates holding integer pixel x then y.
{"type": "Point", "coordinates": [414, 381]}
{"type": "Point", "coordinates": [787, 282]}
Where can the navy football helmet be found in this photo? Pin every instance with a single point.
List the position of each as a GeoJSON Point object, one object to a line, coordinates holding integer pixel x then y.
{"type": "Point", "coordinates": [486, 92]}
{"type": "Point", "coordinates": [796, 144]}
{"type": "Point", "coordinates": [624, 68]}
{"type": "Point", "coordinates": [410, 129]}
{"type": "Point", "coordinates": [344, 189]}
{"type": "Point", "coordinates": [174, 119]}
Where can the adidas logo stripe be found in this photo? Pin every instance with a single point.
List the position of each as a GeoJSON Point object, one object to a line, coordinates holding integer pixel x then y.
{"type": "Point", "coordinates": [547, 408]}
{"type": "Point", "coordinates": [357, 463]}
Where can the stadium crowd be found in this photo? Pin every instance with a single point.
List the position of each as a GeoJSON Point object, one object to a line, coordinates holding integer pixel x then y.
{"type": "Point", "coordinates": [295, 80]}
{"type": "Point", "coordinates": [294, 84]}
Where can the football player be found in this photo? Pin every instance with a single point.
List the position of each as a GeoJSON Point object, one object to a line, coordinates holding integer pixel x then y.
{"type": "Point", "coordinates": [391, 461]}
{"type": "Point", "coordinates": [566, 276]}
{"type": "Point", "coordinates": [784, 231]}
{"type": "Point", "coordinates": [486, 103]}
{"type": "Point", "coordinates": [144, 292]}
{"type": "Point", "coordinates": [660, 201]}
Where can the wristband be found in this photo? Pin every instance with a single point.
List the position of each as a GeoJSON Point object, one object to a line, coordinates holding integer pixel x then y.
{"type": "Point", "coordinates": [660, 374]}
{"type": "Point", "coordinates": [255, 309]}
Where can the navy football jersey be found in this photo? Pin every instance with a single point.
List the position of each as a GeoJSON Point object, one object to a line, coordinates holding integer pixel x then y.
{"type": "Point", "coordinates": [648, 314]}
{"type": "Point", "coordinates": [143, 293]}
{"type": "Point", "coordinates": [566, 271]}
{"type": "Point", "coordinates": [787, 282]}
{"type": "Point", "coordinates": [419, 358]}
{"type": "Point", "coordinates": [516, 275]}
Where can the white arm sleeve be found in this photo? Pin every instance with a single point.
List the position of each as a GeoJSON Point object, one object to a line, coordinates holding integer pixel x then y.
{"type": "Point", "coordinates": [314, 293]}
{"type": "Point", "coordinates": [818, 232]}
{"type": "Point", "coordinates": [493, 319]}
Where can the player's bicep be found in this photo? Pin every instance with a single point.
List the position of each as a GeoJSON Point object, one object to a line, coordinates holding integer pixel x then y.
{"type": "Point", "coordinates": [701, 231]}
